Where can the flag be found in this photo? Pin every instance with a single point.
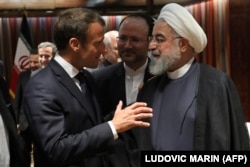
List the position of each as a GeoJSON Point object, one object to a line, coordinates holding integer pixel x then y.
{"type": "Point", "coordinates": [21, 59]}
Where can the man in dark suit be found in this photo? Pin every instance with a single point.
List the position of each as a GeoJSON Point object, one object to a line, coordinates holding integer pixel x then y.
{"type": "Point", "coordinates": [23, 126]}
{"type": "Point", "coordinates": [10, 151]}
{"type": "Point", "coordinates": [60, 101]}
{"type": "Point", "coordinates": [122, 81]}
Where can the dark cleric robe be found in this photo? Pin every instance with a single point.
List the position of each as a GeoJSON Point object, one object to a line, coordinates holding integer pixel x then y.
{"type": "Point", "coordinates": [219, 119]}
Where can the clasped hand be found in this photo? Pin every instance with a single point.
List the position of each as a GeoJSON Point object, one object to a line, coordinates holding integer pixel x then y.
{"type": "Point", "coordinates": [131, 116]}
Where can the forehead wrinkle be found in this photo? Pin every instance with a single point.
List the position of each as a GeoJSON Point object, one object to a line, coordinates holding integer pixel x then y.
{"type": "Point", "coordinates": [163, 29]}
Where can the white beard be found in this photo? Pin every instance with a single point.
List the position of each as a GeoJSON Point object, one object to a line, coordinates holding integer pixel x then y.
{"type": "Point", "coordinates": [166, 60]}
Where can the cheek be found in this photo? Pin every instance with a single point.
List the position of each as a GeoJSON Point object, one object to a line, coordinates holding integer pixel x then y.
{"type": "Point", "coordinates": [120, 46]}
{"type": "Point", "coordinates": [99, 48]}
{"type": "Point", "coordinates": [91, 50]}
{"type": "Point", "coordinates": [165, 48]}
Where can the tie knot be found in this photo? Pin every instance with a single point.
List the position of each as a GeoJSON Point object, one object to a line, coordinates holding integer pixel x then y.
{"type": "Point", "coordinates": [82, 80]}
{"type": "Point", "coordinates": [80, 77]}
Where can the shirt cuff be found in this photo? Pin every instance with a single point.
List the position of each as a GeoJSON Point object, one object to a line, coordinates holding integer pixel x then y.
{"type": "Point", "coordinates": [113, 130]}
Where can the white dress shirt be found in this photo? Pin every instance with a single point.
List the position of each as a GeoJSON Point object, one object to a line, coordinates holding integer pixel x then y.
{"type": "Point", "coordinates": [133, 79]}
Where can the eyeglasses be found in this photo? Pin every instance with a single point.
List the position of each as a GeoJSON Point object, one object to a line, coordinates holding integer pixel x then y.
{"type": "Point", "coordinates": [133, 40]}
{"type": "Point", "coordinates": [161, 39]}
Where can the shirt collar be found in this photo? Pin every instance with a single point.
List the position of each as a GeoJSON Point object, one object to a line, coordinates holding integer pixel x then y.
{"type": "Point", "coordinates": [71, 70]}
{"type": "Point", "coordinates": [181, 71]}
{"type": "Point", "coordinates": [131, 72]}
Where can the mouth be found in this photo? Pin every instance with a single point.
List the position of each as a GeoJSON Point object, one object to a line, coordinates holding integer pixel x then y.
{"type": "Point", "coordinates": [155, 55]}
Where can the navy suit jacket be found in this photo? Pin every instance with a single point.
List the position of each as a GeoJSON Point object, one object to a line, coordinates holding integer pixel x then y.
{"type": "Point", "coordinates": [67, 130]}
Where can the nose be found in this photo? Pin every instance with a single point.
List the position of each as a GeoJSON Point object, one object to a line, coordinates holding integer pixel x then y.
{"type": "Point", "coordinates": [152, 45]}
{"type": "Point", "coordinates": [127, 43]}
{"type": "Point", "coordinates": [42, 57]}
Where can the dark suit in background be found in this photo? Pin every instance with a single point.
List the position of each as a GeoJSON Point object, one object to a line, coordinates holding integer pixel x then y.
{"type": "Point", "coordinates": [25, 133]}
{"type": "Point", "coordinates": [111, 86]}
{"type": "Point", "coordinates": [110, 89]}
{"type": "Point", "coordinates": [16, 157]}
{"type": "Point", "coordinates": [123, 80]}
{"type": "Point", "coordinates": [23, 79]}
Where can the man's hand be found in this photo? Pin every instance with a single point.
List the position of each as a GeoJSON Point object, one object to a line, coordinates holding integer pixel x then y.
{"type": "Point", "coordinates": [131, 116]}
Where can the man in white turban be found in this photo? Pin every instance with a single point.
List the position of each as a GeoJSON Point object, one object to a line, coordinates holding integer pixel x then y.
{"type": "Point", "coordinates": [195, 106]}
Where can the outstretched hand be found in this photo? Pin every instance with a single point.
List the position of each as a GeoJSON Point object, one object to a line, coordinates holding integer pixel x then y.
{"type": "Point", "coordinates": [131, 116]}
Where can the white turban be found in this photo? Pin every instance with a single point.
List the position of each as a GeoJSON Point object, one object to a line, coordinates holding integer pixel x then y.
{"type": "Point", "coordinates": [185, 25]}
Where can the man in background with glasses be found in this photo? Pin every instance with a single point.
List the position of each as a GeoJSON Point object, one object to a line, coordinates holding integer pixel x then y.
{"type": "Point", "coordinates": [123, 80]}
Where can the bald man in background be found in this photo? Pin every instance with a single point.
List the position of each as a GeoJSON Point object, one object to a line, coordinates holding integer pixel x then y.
{"type": "Point", "coordinates": [196, 107]}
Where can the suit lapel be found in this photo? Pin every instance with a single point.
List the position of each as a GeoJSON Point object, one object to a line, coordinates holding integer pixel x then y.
{"type": "Point", "coordinates": [70, 85]}
{"type": "Point", "coordinates": [119, 84]}
{"type": "Point", "coordinates": [92, 88]}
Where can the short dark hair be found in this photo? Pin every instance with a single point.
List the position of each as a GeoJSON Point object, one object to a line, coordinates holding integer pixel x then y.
{"type": "Point", "coordinates": [149, 20]}
{"type": "Point", "coordinates": [74, 23]}
{"type": "Point", "coordinates": [34, 51]}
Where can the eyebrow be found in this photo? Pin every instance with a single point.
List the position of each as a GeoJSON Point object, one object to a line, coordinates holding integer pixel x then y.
{"type": "Point", "coordinates": [159, 35]}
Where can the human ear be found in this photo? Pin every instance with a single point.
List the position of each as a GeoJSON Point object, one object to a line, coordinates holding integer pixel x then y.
{"type": "Point", "coordinates": [74, 44]}
{"type": "Point", "coordinates": [183, 44]}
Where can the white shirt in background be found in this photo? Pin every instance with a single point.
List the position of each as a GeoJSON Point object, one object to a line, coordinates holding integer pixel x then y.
{"type": "Point", "coordinates": [133, 79]}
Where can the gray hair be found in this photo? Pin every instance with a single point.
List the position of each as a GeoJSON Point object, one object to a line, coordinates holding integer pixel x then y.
{"type": "Point", "coordinates": [107, 37]}
{"type": "Point", "coordinates": [48, 44]}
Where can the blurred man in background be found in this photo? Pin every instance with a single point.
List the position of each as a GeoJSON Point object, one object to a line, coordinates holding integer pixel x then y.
{"type": "Point", "coordinates": [23, 126]}
{"type": "Point", "coordinates": [111, 55]}
{"type": "Point", "coordinates": [46, 51]}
